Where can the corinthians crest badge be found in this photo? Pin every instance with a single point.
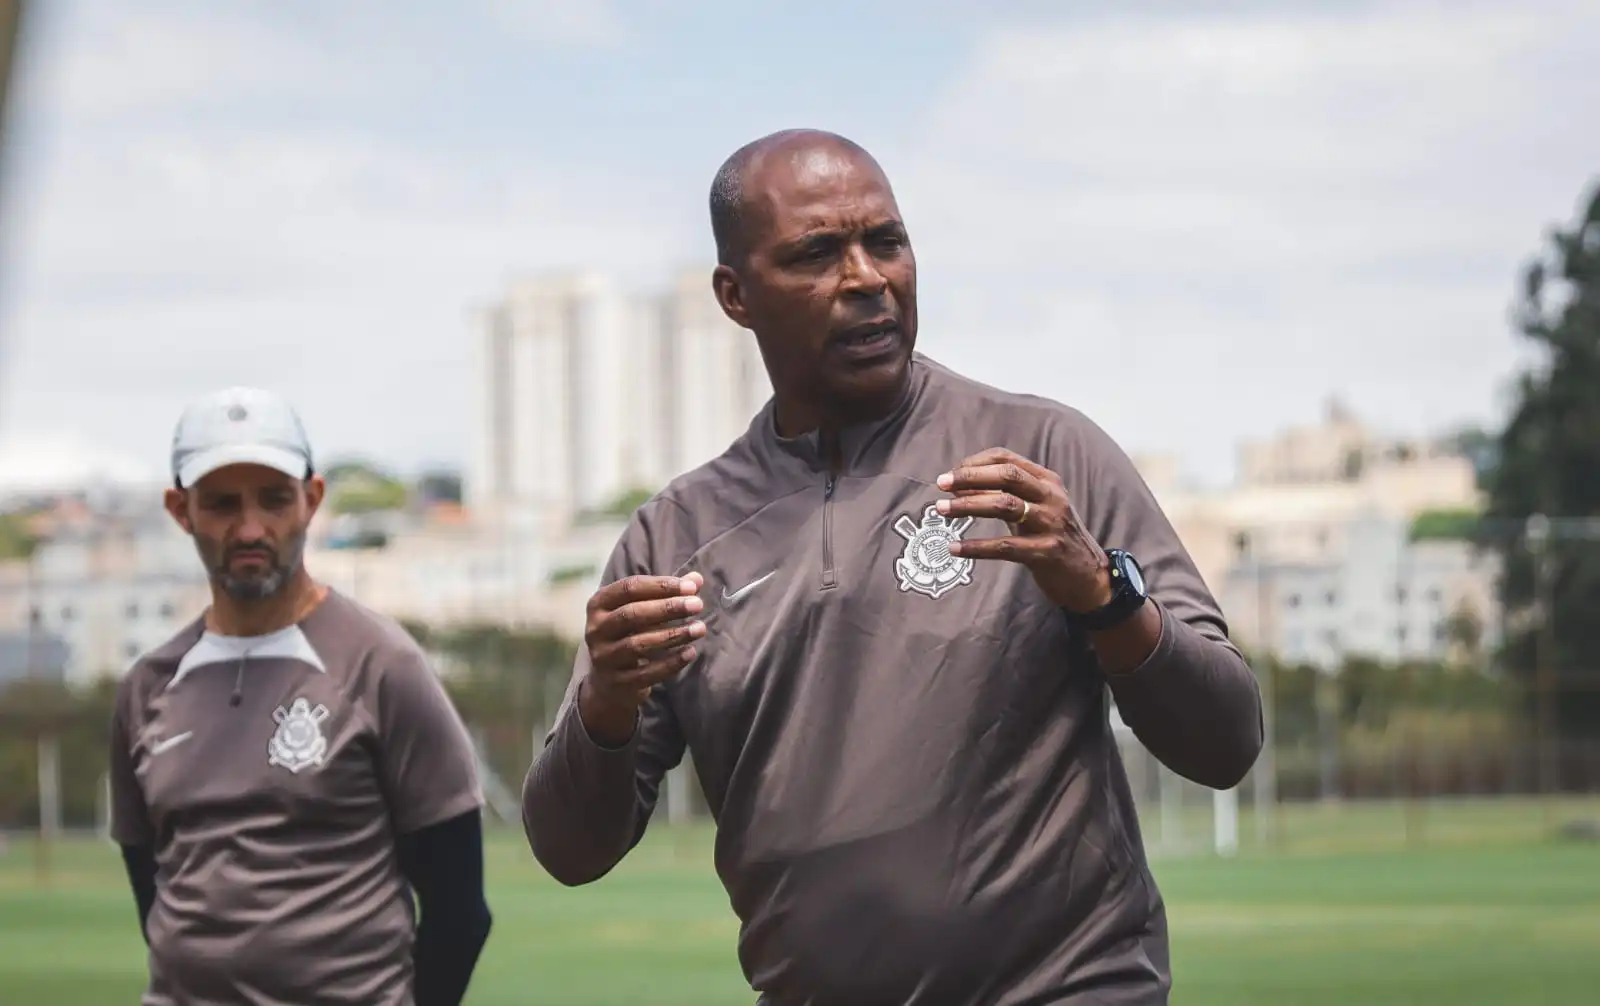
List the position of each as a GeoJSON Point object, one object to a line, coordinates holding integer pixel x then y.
{"type": "Point", "coordinates": [926, 566]}
{"type": "Point", "coordinates": [298, 741]}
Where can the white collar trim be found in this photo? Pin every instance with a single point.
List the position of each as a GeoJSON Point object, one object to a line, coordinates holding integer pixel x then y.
{"type": "Point", "coordinates": [212, 649]}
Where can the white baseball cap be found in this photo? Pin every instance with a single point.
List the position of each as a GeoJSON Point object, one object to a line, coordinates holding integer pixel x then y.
{"type": "Point", "coordinates": [238, 426]}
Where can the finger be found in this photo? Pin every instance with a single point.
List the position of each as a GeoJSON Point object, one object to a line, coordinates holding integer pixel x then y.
{"type": "Point", "coordinates": [639, 616]}
{"type": "Point", "coordinates": [656, 671]}
{"type": "Point", "coordinates": [999, 477]}
{"type": "Point", "coordinates": [1001, 456]}
{"type": "Point", "coordinates": [640, 648]}
{"type": "Point", "coordinates": [643, 588]}
{"type": "Point", "coordinates": [1012, 549]}
{"type": "Point", "coordinates": [1000, 506]}
{"type": "Point", "coordinates": [989, 456]}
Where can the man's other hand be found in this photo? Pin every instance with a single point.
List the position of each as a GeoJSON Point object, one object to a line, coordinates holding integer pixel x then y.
{"type": "Point", "coordinates": [637, 636]}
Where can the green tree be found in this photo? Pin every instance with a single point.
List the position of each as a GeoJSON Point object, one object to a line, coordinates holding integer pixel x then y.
{"type": "Point", "coordinates": [439, 487]}
{"type": "Point", "coordinates": [1445, 525]}
{"type": "Point", "coordinates": [622, 507]}
{"type": "Point", "coordinates": [505, 681]}
{"type": "Point", "coordinates": [357, 487]}
{"type": "Point", "coordinates": [1549, 462]}
{"type": "Point", "coordinates": [16, 540]}
{"type": "Point", "coordinates": [1479, 446]}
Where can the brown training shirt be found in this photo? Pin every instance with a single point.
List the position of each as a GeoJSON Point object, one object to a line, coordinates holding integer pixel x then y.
{"type": "Point", "coordinates": [917, 793]}
{"type": "Point", "coordinates": [273, 820]}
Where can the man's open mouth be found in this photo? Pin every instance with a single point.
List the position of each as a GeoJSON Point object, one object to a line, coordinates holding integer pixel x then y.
{"type": "Point", "coordinates": [870, 334]}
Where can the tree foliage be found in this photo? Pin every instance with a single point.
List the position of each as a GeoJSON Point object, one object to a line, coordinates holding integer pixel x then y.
{"type": "Point", "coordinates": [506, 682]}
{"type": "Point", "coordinates": [359, 487]}
{"type": "Point", "coordinates": [1548, 461]}
{"type": "Point", "coordinates": [439, 486]}
{"type": "Point", "coordinates": [621, 507]}
{"type": "Point", "coordinates": [1445, 525]}
{"type": "Point", "coordinates": [16, 540]}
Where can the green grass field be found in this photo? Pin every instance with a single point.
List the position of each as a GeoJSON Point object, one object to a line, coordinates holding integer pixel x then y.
{"type": "Point", "coordinates": [1475, 904]}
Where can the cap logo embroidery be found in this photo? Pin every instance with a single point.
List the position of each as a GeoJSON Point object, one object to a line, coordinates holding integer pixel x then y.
{"type": "Point", "coordinates": [237, 413]}
{"type": "Point", "coordinates": [298, 742]}
{"type": "Point", "coordinates": [926, 565]}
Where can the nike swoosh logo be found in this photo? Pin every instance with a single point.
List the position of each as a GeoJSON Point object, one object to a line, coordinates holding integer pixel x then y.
{"type": "Point", "coordinates": [729, 598]}
{"type": "Point", "coordinates": [170, 742]}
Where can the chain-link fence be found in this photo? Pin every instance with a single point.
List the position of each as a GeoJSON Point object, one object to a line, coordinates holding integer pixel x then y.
{"type": "Point", "coordinates": [1422, 678]}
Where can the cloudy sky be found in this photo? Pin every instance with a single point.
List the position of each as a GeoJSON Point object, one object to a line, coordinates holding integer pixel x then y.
{"type": "Point", "coordinates": [1195, 221]}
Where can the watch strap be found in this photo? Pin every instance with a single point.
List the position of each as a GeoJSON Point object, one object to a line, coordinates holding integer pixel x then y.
{"type": "Point", "coordinates": [1126, 599]}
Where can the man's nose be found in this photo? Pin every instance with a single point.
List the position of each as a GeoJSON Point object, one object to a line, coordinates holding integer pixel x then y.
{"type": "Point", "coordinates": [861, 275]}
{"type": "Point", "coordinates": [251, 526]}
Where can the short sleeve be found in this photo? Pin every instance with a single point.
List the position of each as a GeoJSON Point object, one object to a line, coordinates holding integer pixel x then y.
{"type": "Point", "coordinates": [428, 765]}
{"type": "Point", "coordinates": [130, 817]}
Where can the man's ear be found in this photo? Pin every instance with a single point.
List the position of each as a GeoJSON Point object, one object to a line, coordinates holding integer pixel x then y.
{"type": "Point", "coordinates": [316, 489]}
{"type": "Point", "coordinates": [730, 295]}
{"type": "Point", "coordinates": [177, 504]}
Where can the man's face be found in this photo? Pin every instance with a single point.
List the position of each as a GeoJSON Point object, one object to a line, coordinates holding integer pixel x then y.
{"type": "Point", "coordinates": [249, 525]}
{"type": "Point", "coordinates": [829, 284]}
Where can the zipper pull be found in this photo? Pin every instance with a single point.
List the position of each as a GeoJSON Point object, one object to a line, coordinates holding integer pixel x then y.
{"type": "Point", "coordinates": [827, 489]}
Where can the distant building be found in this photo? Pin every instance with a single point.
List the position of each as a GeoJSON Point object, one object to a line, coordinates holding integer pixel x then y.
{"type": "Point", "coordinates": [1296, 489]}
{"type": "Point", "coordinates": [584, 391]}
{"type": "Point", "coordinates": [25, 655]}
{"type": "Point", "coordinates": [109, 587]}
{"type": "Point", "coordinates": [507, 572]}
{"type": "Point", "coordinates": [1325, 511]}
{"type": "Point", "coordinates": [1373, 593]}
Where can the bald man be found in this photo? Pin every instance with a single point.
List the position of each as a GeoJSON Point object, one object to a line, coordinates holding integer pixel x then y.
{"type": "Point", "coordinates": [887, 624]}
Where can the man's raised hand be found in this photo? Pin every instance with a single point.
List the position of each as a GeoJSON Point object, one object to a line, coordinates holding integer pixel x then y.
{"type": "Point", "coordinates": [1047, 535]}
{"type": "Point", "coordinates": [640, 632]}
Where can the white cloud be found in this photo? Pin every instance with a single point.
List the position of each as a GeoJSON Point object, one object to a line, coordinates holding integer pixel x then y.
{"type": "Point", "coordinates": [64, 461]}
{"type": "Point", "coordinates": [1195, 228]}
{"type": "Point", "coordinates": [1229, 217]}
{"type": "Point", "coordinates": [111, 61]}
{"type": "Point", "coordinates": [183, 218]}
{"type": "Point", "coordinates": [338, 269]}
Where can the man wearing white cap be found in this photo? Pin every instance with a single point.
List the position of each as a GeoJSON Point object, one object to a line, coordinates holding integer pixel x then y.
{"type": "Point", "coordinates": [287, 771]}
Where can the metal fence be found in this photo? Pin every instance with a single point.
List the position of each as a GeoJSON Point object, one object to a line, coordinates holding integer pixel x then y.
{"type": "Point", "coordinates": [1395, 710]}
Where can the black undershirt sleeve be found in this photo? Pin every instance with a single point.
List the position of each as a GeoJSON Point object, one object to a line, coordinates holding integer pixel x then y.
{"type": "Point", "coordinates": [444, 865]}
{"type": "Point", "coordinates": [141, 866]}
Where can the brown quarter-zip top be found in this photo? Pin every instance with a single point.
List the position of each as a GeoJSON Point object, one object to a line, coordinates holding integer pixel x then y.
{"type": "Point", "coordinates": [918, 797]}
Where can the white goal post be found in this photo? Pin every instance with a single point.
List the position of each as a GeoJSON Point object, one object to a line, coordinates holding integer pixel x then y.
{"type": "Point", "coordinates": [1224, 803]}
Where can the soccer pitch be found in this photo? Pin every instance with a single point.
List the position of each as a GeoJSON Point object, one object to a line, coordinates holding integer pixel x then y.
{"type": "Point", "coordinates": [1487, 910]}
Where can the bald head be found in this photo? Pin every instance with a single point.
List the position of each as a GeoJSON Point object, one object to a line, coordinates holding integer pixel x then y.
{"type": "Point", "coordinates": [813, 152]}
{"type": "Point", "coordinates": [814, 259]}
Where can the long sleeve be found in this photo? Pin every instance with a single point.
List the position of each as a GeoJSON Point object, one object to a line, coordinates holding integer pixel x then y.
{"type": "Point", "coordinates": [1194, 702]}
{"type": "Point", "coordinates": [130, 818]}
{"type": "Point", "coordinates": [443, 863]}
{"type": "Point", "coordinates": [585, 806]}
{"type": "Point", "coordinates": [140, 864]}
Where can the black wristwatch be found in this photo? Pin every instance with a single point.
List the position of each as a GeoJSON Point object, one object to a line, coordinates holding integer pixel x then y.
{"type": "Point", "coordinates": [1128, 595]}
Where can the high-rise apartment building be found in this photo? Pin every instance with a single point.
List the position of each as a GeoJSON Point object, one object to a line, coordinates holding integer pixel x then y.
{"type": "Point", "coordinates": [585, 391]}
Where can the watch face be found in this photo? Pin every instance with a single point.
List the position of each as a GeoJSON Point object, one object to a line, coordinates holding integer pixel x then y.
{"type": "Point", "coordinates": [1135, 576]}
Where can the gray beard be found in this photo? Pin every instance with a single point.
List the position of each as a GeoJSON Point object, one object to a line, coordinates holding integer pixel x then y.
{"type": "Point", "coordinates": [254, 590]}
{"type": "Point", "coordinates": [265, 587]}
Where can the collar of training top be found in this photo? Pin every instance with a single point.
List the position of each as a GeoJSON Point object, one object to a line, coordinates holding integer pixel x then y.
{"type": "Point", "coordinates": [858, 444]}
